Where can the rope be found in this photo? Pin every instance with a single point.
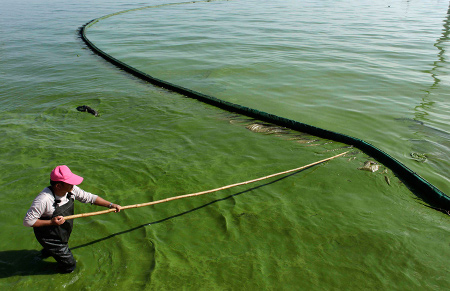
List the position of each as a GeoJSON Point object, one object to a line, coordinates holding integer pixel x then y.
{"type": "Point", "coordinates": [418, 185]}
{"type": "Point", "coordinates": [203, 192]}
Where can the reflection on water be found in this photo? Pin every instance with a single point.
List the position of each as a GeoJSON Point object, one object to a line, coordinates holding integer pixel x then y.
{"type": "Point", "coordinates": [431, 141]}
{"type": "Point", "coordinates": [427, 102]}
{"type": "Point", "coordinates": [440, 44]}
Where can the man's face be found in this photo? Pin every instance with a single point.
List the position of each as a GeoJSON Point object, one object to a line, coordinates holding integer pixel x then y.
{"type": "Point", "coordinates": [68, 187]}
{"type": "Point", "coordinates": [65, 187]}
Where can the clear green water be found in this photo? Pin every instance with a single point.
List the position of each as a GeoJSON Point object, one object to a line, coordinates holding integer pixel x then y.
{"type": "Point", "coordinates": [375, 72]}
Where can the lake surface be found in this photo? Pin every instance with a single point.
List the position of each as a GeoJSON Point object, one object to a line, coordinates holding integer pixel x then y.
{"type": "Point", "coordinates": [375, 71]}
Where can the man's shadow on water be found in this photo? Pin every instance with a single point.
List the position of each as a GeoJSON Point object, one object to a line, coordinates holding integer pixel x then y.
{"type": "Point", "coordinates": [29, 262]}
{"type": "Point", "coordinates": [24, 263]}
{"type": "Point", "coordinates": [182, 213]}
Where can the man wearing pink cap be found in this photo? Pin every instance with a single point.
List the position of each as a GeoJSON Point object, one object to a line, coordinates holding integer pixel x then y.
{"type": "Point", "coordinates": [46, 215]}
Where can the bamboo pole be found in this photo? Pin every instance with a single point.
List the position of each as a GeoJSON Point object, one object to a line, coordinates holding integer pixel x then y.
{"type": "Point", "coordinates": [203, 192]}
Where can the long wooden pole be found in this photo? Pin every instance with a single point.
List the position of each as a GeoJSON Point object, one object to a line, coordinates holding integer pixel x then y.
{"type": "Point", "coordinates": [203, 192]}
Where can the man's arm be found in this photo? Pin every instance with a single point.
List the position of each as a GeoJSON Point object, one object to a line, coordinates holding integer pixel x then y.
{"type": "Point", "coordinates": [87, 197]}
{"type": "Point", "coordinates": [41, 206]}
{"type": "Point", "coordinates": [102, 202]}
{"type": "Point", "coordinates": [58, 220]}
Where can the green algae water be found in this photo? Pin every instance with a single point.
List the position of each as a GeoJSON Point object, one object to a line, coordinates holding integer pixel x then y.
{"type": "Point", "coordinates": [376, 71]}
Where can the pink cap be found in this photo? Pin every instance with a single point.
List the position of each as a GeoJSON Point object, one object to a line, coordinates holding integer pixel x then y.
{"type": "Point", "coordinates": [63, 174]}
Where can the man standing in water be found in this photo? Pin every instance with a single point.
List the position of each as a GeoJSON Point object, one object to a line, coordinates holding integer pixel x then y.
{"type": "Point", "coordinates": [46, 215]}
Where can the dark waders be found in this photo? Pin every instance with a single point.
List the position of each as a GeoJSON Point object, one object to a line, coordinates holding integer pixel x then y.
{"type": "Point", "coordinates": [55, 238]}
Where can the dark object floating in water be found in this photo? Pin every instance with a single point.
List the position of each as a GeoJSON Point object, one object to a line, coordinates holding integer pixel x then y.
{"type": "Point", "coordinates": [388, 181]}
{"type": "Point", "coordinates": [88, 109]}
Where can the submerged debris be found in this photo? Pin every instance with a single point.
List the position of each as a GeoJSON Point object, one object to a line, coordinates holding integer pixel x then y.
{"type": "Point", "coordinates": [370, 166]}
{"type": "Point", "coordinates": [418, 157]}
{"type": "Point", "coordinates": [306, 140]}
{"type": "Point", "coordinates": [85, 108]}
{"type": "Point", "coordinates": [342, 148]}
{"type": "Point", "coordinates": [264, 128]}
